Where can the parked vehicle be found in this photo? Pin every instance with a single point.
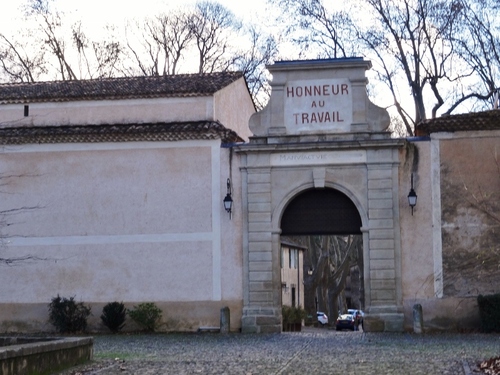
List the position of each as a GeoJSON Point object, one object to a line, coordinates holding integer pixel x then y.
{"type": "Point", "coordinates": [357, 313]}
{"type": "Point", "coordinates": [352, 311]}
{"type": "Point", "coordinates": [322, 318]}
{"type": "Point", "coordinates": [345, 321]}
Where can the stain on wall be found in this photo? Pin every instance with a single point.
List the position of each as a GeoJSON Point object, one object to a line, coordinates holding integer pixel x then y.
{"type": "Point", "coordinates": [470, 185]}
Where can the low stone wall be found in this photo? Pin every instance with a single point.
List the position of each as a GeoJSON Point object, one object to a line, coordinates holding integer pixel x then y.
{"type": "Point", "coordinates": [34, 355]}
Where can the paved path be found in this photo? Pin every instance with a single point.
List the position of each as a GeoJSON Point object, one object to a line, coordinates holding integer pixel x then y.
{"type": "Point", "coordinates": [313, 351]}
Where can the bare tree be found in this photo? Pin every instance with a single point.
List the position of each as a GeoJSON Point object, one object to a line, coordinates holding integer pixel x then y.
{"type": "Point", "coordinates": [252, 62]}
{"type": "Point", "coordinates": [160, 43]}
{"type": "Point", "coordinates": [166, 44]}
{"type": "Point", "coordinates": [96, 59]}
{"type": "Point", "coordinates": [52, 48]}
{"type": "Point", "coordinates": [50, 22]}
{"type": "Point", "coordinates": [20, 64]}
{"type": "Point", "coordinates": [478, 45]}
{"type": "Point", "coordinates": [414, 37]}
{"type": "Point", "coordinates": [319, 30]}
{"type": "Point", "coordinates": [213, 26]}
{"type": "Point", "coordinates": [435, 54]}
{"type": "Point", "coordinates": [328, 262]}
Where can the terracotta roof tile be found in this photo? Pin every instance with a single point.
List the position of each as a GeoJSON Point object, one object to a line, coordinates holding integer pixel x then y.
{"type": "Point", "coordinates": [181, 85]}
{"type": "Point", "coordinates": [487, 120]}
{"type": "Point", "coordinates": [176, 131]}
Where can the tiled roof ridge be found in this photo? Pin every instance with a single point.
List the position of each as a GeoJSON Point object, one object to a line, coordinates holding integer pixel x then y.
{"type": "Point", "coordinates": [484, 120]}
{"type": "Point", "coordinates": [173, 131]}
{"type": "Point", "coordinates": [178, 85]}
{"type": "Point", "coordinates": [152, 77]}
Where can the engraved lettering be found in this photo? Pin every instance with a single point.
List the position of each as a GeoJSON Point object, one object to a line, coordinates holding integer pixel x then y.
{"type": "Point", "coordinates": [317, 117]}
{"type": "Point", "coordinates": [316, 90]}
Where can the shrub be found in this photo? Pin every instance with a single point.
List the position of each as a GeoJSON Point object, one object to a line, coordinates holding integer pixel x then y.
{"type": "Point", "coordinates": [147, 315]}
{"type": "Point", "coordinates": [113, 316]}
{"type": "Point", "coordinates": [292, 315]}
{"type": "Point", "coordinates": [67, 315]}
{"type": "Point", "coordinates": [489, 311]}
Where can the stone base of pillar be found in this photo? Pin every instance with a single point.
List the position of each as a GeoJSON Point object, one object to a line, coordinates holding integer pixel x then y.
{"type": "Point", "coordinates": [383, 323]}
{"type": "Point", "coordinates": [257, 319]}
{"type": "Point", "coordinates": [383, 319]}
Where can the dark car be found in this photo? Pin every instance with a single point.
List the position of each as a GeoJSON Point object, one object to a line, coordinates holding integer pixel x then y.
{"type": "Point", "coordinates": [345, 321]}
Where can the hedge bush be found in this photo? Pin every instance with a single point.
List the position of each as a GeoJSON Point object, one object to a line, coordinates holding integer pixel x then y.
{"type": "Point", "coordinates": [147, 315]}
{"type": "Point", "coordinates": [113, 316]}
{"type": "Point", "coordinates": [67, 315]}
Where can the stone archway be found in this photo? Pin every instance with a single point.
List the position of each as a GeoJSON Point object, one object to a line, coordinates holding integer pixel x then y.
{"type": "Point", "coordinates": [294, 149]}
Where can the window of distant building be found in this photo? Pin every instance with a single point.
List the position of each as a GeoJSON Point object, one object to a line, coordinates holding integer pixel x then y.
{"type": "Point", "coordinates": [293, 256]}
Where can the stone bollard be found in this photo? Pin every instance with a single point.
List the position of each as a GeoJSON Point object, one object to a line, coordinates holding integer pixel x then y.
{"type": "Point", "coordinates": [225, 322]}
{"type": "Point", "coordinates": [418, 319]}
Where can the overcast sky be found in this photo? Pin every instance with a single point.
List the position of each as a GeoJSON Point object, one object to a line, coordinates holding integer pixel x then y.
{"type": "Point", "coordinates": [99, 12]}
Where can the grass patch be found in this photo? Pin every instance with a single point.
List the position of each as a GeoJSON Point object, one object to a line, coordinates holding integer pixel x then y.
{"type": "Point", "coordinates": [114, 355]}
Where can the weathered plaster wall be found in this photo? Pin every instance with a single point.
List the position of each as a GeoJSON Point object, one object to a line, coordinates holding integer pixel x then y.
{"type": "Point", "coordinates": [470, 171]}
{"type": "Point", "coordinates": [120, 222]}
{"type": "Point", "coordinates": [450, 251]}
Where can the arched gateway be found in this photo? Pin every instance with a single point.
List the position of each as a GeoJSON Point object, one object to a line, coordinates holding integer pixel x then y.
{"type": "Point", "coordinates": [320, 211]}
{"type": "Point", "coordinates": [320, 133]}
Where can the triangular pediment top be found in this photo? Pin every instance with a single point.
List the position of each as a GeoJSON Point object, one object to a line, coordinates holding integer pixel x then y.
{"type": "Point", "coordinates": [326, 96]}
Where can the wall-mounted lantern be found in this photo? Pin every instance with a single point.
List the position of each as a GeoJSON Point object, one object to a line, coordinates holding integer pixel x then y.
{"type": "Point", "coordinates": [412, 196]}
{"type": "Point", "coordinates": [228, 200]}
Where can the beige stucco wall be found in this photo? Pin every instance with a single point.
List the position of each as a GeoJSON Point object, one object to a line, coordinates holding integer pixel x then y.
{"type": "Point", "coordinates": [418, 261]}
{"type": "Point", "coordinates": [121, 222]}
{"type": "Point", "coordinates": [131, 221]}
{"type": "Point", "coordinates": [450, 244]}
{"type": "Point", "coordinates": [100, 112]}
{"type": "Point", "coordinates": [233, 108]}
{"type": "Point", "coordinates": [128, 221]}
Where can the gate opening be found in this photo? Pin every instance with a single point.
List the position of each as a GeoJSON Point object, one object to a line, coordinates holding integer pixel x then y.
{"type": "Point", "coordinates": [322, 256]}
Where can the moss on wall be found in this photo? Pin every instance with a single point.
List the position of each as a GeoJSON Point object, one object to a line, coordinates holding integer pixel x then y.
{"type": "Point", "coordinates": [470, 180]}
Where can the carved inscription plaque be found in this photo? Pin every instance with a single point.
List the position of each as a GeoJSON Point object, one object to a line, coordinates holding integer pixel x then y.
{"type": "Point", "coordinates": [318, 105]}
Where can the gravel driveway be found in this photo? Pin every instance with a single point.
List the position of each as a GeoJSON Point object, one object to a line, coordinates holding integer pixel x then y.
{"type": "Point", "coordinates": [313, 351]}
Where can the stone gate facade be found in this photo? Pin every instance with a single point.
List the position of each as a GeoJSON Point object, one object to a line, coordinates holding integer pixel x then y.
{"type": "Point", "coordinates": [320, 131]}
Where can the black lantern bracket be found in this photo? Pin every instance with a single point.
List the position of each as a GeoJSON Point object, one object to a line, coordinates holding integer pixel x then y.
{"type": "Point", "coordinates": [228, 200]}
{"type": "Point", "coordinates": [412, 196]}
